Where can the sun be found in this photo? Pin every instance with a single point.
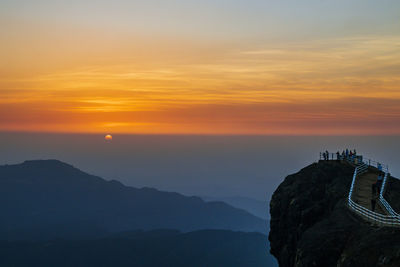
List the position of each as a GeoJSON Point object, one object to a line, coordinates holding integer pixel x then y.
{"type": "Point", "coordinates": [108, 137]}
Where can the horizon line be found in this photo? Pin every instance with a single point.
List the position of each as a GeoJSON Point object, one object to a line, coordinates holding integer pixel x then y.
{"type": "Point", "coordinates": [203, 134]}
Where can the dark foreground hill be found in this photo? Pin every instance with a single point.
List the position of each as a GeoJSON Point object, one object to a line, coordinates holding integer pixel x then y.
{"type": "Point", "coordinates": [50, 199]}
{"type": "Point", "coordinates": [311, 225]}
{"type": "Point", "coordinates": [160, 248]}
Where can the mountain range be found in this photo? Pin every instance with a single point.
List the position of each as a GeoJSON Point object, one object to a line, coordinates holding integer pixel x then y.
{"type": "Point", "coordinates": [145, 249]}
{"type": "Point", "coordinates": [47, 199]}
{"type": "Point", "coordinates": [253, 206]}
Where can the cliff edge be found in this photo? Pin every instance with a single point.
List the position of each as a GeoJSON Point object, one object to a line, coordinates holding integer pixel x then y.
{"type": "Point", "coordinates": [311, 225]}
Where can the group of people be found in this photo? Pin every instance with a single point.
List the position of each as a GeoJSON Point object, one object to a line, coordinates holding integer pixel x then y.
{"type": "Point", "coordinates": [346, 154]}
{"type": "Point", "coordinates": [376, 188]}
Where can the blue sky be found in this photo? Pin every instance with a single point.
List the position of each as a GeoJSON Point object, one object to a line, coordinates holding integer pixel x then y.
{"type": "Point", "coordinates": [231, 19]}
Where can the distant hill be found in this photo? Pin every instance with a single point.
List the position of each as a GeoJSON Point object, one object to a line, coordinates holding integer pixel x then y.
{"type": "Point", "coordinates": [160, 248]}
{"type": "Point", "coordinates": [48, 199]}
{"type": "Point", "coordinates": [256, 207]}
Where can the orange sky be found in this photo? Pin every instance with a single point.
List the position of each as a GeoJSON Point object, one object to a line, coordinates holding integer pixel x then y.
{"type": "Point", "coordinates": [78, 78]}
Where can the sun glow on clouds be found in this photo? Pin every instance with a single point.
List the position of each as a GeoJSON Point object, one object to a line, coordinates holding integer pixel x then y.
{"type": "Point", "coordinates": [324, 87]}
{"type": "Point", "coordinates": [85, 80]}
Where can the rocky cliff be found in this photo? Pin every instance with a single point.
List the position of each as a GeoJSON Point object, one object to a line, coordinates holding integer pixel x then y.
{"type": "Point", "coordinates": [311, 225]}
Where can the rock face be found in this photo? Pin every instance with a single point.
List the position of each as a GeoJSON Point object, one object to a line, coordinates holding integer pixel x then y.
{"type": "Point", "coordinates": [312, 226]}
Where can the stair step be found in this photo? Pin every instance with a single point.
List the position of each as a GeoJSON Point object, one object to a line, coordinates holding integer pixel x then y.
{"type": "Point", "coordinates": [362, 193]}
{"type": "Point", "coordinates": [363, 197]}
{"type": "Point", "coordinates": [365, 182]}
{"type": "Point", "coordinates": [365, 201]}
{"type": "Point", "coordinates": [364, 190]}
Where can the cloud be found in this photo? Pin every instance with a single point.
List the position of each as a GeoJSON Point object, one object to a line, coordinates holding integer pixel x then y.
{"type": "Point", "coordinates": [342, 85]}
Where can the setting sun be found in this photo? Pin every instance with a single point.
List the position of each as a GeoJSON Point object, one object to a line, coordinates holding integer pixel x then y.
{"type": "Point", "coordinates": [213, 103]}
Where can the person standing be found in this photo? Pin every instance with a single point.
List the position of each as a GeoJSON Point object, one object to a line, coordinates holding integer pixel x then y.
{"type": "Point", "coordinates": [379, 182]}
{"type": "Point", "coordinates": [373, 203]}
{"type": "Point", "coordinates": [373, 187]}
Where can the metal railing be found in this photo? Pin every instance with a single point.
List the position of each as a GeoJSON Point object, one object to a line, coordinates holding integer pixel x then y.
{"type": "Point", "coordinates": [379, 219]}
{"type": "Point", "coordinates": [376, 164]}
{"type": "Point", "coordinates": [385, 220]}
{"type": "Point", "coordinates": [383, 200]}
{"type": "Point", "coordinates": [356, 159]}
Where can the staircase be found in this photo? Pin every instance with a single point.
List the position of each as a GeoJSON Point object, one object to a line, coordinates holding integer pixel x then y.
{"type": "Point", "coordinates": [362, 193]}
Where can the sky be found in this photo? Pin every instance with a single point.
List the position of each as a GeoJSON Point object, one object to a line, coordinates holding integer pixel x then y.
{"type": "Point", "coordinates": [200, 165]}
{"type": "Point", "coordinates": [235, 67]}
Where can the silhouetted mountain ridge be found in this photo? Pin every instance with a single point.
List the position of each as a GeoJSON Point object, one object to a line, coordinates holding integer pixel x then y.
{"type": "Point", "coordinates": [46, 199]}
{"type": "Point", "coordinates": [154, 248]}
{"type": "Point", "coordinates": [253, 206]}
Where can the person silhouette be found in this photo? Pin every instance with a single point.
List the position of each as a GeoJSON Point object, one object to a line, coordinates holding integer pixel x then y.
{"type": "Point", "coordinates": [373, 204]}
